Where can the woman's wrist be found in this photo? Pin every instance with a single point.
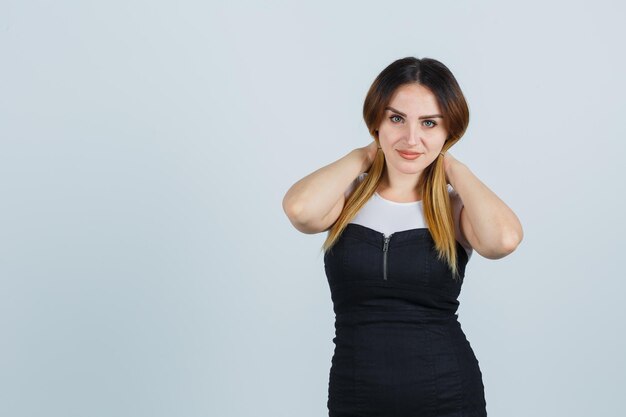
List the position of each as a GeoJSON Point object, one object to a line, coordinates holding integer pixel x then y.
{"type": "Point", "coordinates": [453, 168]}
{"type": "Point", "coordinates": [360, 155]}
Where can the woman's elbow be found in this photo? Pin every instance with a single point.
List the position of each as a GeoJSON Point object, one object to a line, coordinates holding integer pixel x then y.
{"type": "Point", "coordinates": [510, 242]}
{"type": "Point", "coordinates": [506, 245]}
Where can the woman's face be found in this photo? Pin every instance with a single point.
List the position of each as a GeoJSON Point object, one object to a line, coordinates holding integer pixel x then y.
{"type": "Point", "coordinates": [412, 123]}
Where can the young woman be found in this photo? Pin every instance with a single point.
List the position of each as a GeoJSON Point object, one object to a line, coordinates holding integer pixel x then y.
{"type": "Point", "coordinates": [403, 218]}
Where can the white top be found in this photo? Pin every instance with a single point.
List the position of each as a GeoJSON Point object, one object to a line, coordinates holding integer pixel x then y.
{"type": "Point", "coordinates": [389, 216]}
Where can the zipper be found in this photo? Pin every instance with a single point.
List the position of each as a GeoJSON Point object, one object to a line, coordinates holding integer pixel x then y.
{"type": "Point", "coordinates": [385, 248]}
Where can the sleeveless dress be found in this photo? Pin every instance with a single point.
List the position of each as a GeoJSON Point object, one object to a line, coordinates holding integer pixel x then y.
{"type": "Point", "coordinates": [399, 347]}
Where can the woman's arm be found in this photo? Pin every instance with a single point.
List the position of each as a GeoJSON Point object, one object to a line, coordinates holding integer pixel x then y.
{"type": "Point", "coordinates": [315, 202]}
{"type": "Point", "coordinates": [488, 224]}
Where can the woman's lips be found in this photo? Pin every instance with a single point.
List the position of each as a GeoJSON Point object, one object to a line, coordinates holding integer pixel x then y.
{"type": "Point", "coordinates": [409, 156]}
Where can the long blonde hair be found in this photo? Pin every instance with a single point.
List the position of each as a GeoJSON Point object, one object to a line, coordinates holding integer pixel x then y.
{"type": "Point", "coordinates": [432, 184]}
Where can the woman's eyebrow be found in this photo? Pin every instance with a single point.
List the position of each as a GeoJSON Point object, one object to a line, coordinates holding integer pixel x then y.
{"type": "Point", "coordinates": [432, 116]}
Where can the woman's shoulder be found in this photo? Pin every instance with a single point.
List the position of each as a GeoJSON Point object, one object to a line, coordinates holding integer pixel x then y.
{"type": "Point", "coordinates": [354, 183]}
{"type": "Point", "coordinates": [455, 199]}
{"type": "Point", "coordinates": [457, 205]}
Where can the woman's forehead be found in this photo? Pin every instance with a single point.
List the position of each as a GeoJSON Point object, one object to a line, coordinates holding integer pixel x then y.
{"type": "Point", "coordinates": [414, 99]}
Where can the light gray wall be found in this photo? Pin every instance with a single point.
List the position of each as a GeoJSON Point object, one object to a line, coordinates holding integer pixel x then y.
{"type": "Point", "coordinates": [147, 267]}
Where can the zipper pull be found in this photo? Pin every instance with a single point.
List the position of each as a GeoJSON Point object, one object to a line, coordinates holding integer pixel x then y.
{"type": "Point", "coordinates": [385, 247]}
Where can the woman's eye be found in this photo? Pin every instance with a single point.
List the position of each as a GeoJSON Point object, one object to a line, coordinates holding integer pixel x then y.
{"type": "Point", "coordinates": [392, 118]}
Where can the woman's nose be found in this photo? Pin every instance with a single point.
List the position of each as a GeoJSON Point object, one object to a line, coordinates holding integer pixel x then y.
{"type": "Point", "coordinates": [414, 136]}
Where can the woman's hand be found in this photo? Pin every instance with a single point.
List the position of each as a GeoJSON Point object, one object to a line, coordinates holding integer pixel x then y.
{"type": "Point", "coordinates": [449, 162]}
{"type": "Point", "coordinates": [370, 153]}
{"type": "Point", "coordinates": [367, 155]}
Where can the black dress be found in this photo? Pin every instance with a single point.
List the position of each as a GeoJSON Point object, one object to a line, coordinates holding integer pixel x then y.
{"type": "Point", "coordinates": [399, 348]}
